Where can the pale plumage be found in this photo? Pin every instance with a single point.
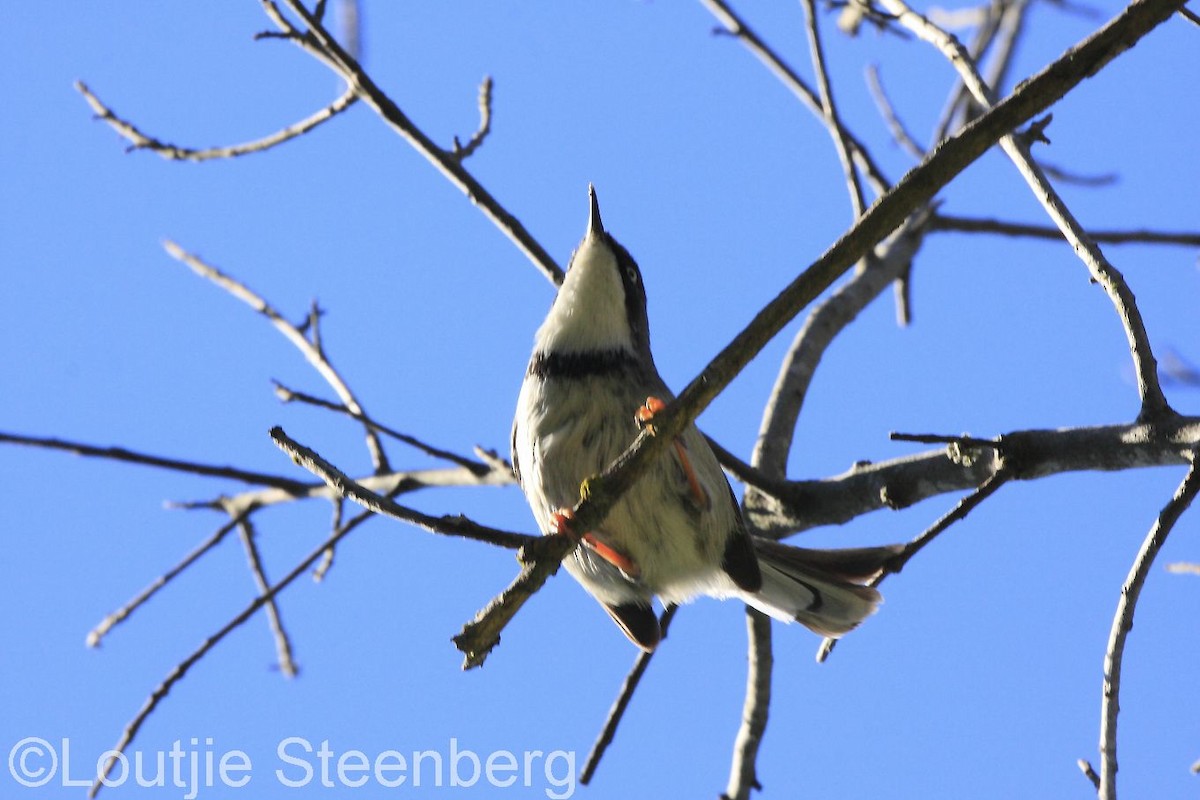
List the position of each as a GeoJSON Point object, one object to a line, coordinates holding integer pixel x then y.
{"type": "Point", "coordinates": [678, 532]}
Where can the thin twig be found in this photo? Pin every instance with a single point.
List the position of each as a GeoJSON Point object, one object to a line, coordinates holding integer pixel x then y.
{"type": "Point", "coordinates": [617, 712]}
{"type": "Point", "coordinates": [1089, 772]}
{"type": "Point", "coordinates": [288, 395]}
{"type": "Point", "coordinates": [171, 152]}
{"type": "Point", "coordinates": [1123, 622]}
{"type": "Point", "coordinates": [948, 222]}
{"type": "Point", "coordinates": [181, 669]}
{"type": "Point", "coordinates": [737, 27]}
{"type": "Point", "coordinates": [391, 483]}
{"type": "Point", "coordinates": [939, 438]}
{"type": "Point", "coordinates": [965, 506]}
{"type": "Point", "coordinates": [745, 473]}
{"type": "Point", "coordinates": [1183, 568]}
{"type": "Point", "coordinates": [485, 122]}
{"type": "Point", "coordinates": [1190, 15]}
{"type": "Point", "coordinates": [1063, 176]}
{"type": "Point", "coordinates": [959, 108]}
{"type": "Point", "coordinates": [829, 111]}
{"type": "Point", "coordinates": [899, 133]}
{"type": "Point", "coordinates": [350, 22]}
{"type": "Point", "coordinates": [347, 487]}
{"type": "Point", "coordinates": [319, 43]}
{"type": "Point", "coordinates": [96, 635]}
{"type": "Point", "coordinates": [1153, 402]}
{"type": "Point", "coordinates": [309, 348]}
{"type": "Point", "coordinates": [283, 643]}
{"type": "Point", "coordinates": [286, 485]}
{"type": "Point", "coordinates": [1010, 30]}
{"type": "Point", "coordinates": [322, 569]}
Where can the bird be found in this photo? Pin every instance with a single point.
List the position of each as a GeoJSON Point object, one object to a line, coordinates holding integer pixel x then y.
{"type": "Point", "coordinates": [590, 386]}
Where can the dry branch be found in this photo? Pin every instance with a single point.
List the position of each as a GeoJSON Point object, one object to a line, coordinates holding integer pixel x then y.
{"type": "Point", "coordinates": [183, 667]}
{"type": "Point", "coordinates": [97, 634]}
{"type": "Point", "coordinates": [283, 643]}
{"type": "Point", "coordinates": [346, 487]}
{"type": "Point", "coordinates": [309, 348]}
{"type": "Point", "coordinates": [141, 141]}
{"type": "Point", "coordinates": [617, 712]}
{"type": "Point", "coordinates": [318, 42]}
{"type": "Point", "coordinates": [743, 769]}
{"type": "Point", "coordinates": [949, 222]}
{"type": "Point", "coordinates": [901, 482]}
{"type": "Point", "coordinates": [1123, 623]}
{"type": "Point", "coordinates": [286, 485]}
{"type": "Point", "coordinates": [733, 24]}
{"type": "Point", "coordinates": [1154, 403]}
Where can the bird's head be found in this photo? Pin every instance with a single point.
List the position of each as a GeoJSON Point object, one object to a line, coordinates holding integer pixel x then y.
{"type": "Point", "coordinates": [601, 305]}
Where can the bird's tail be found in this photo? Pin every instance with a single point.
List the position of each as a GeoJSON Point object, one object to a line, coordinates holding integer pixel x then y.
{"type": "Point", "coordinates": [821, 589]}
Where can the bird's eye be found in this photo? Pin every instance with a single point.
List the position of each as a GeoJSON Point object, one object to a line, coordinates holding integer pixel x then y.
{"type": "Point", "coordinates": [632, 274]}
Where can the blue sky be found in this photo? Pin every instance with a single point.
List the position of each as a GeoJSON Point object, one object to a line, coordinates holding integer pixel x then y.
{"type": "Point", "coordinates": [980, 676]}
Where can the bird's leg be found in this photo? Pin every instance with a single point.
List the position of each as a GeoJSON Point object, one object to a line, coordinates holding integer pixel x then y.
{"type": "Point", "coordinates": [699, 495]}
{"type": "Point", "coordinates": [563, 521]}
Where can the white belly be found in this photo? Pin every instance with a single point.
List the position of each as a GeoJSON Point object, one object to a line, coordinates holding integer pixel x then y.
{"type": "Point", "coordinates": [563, 438]}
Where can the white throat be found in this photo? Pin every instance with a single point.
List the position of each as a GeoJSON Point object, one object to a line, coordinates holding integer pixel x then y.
{"type": "Point", "coordinates": [589, 313]}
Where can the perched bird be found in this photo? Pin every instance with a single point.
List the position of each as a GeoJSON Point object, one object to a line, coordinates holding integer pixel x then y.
{"type": "Point", "coordinates": [678, 532]}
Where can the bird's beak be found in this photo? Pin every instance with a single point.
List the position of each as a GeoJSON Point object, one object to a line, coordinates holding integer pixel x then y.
{"type": "Point", "coordinates": [595, 226]}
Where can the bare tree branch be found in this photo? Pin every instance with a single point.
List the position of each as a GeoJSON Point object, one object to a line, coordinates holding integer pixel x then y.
{"type": "Point", "coordinates": [733, 24]}
{"type": "Point", "coordinates": [743, 771]}
{"type": "Point", "coordinates": [285, 485]}
{"type": "Point", "coordinates": [183, 667]}
{"type": "Point", "coordinates": [485, 122]}
{"type": "Point", "coordinates": [1009, 29]}
{"type": "Point", "coordinates": [539, 560]}
{"type": "Point", "coordinates": [901, 482]}
{"type": "Point", "coordinates": [1123, 623]}
{"type": "Point", "coordinates": [318, 42]}
{"type": "Point", "coordinates": [822, 325]}
{"type": "Point", "coordinates": [171, 152]}
{"type": "Point", "coordinates": [959, 512]}
{"type": "Point", "coordinates": [833, 121]}
{"type": "Point", "coordinates": [479, 468]}
{"type": "Point", "coordinates": [1063, 176]}
{"type": "Point", "coordinates": [391, 483]}
{"type": "Point", "coordinates": [899, 133]}
{"type": "Point", "coordinates": [310, 349]}
{"type": "Point", "coordinates": [345, 486]}
{"type": "Point", "coordinates": [97, 634]}
{"type": "Point", "coordinates": [1089, 772]}
{"type": "Point", "coordinates": [916, 188]}
{"type": "Point", "coordinates": [1154, 403]}
{"type": "Point", "coordinates": [617, 712]}
{"type": "Point", "coordinates": [948, 222]}
{"type": "Point", "coordinates": [283, 644]}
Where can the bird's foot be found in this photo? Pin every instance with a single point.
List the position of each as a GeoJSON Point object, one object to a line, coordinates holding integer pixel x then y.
{"type": "Point", "coordinates": [562, 521]}
{"type": "Point", "coordinates": [646, 412]}
{"type": "Point", "coordinates": [696, 491]}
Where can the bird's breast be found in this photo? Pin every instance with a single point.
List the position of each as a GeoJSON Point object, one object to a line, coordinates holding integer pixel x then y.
{"type": "Point", "coordinates": [576, 427]}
